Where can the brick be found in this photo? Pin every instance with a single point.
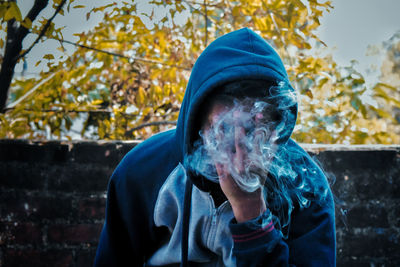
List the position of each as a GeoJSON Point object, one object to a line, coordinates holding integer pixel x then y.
{"type": "Point", "coordinates": [92, 208]}
{"type": "Point", "coordinates": [370, 215]}
{"type": "Point", "coordinates": [85, 257]}
{"type": "Point", "coordinates": [6, 235]}
{"type": "Point", "coordinates": [37, 258]}
{"type": "Point", "coordinates": [26, 151]}
{"type": "Point", "coordinates": [23, 175]}
{"type": "Point", "coordinates": [358, 160]}
{"type": "Point", "coordinates": [376, 185]}
{"type": "Point", "coordinates": [394, 213]}
{"type": "Point", "coordinates": [20, 206]}
{"type": "Point", "coordinates": [362, 175]}
{"type": "Point", "coordinates": [109, 153]}
{"type": "Point", "coordinates": [362, 262]}
{"type": "Point", "coordinates": [21, 233]}
{"type": "Point", "coordinates": [74, 234]}
{"type": "Point", "coordinates": [367, 182]}
{"type": "Point", "coordinates": [374, 243]}
{"type": "Point", "coordinates": [80, 178]}
{"type": "Point", "coordinates": [344, 188]}
{"type": "Point", "coordinates": [363, 186]}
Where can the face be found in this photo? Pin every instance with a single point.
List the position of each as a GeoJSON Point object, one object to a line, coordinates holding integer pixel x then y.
{"type": "Point", "coordinates": [235, 133]}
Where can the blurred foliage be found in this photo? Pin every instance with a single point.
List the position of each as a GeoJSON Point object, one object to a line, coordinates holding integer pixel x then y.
{"type": "Point", "coordinates": [135, 89]}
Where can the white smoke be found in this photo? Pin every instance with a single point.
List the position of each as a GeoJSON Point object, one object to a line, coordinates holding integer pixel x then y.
{"type": "Point", "coordinates": [244, 138]}
{"type": "Point", "coordinates": [239, 141]}
{"type": "Point", "coordinates": [248, 139]}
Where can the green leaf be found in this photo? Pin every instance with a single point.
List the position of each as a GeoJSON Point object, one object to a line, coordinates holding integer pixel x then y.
{"type": "Point", "coordinates": [355, 103]}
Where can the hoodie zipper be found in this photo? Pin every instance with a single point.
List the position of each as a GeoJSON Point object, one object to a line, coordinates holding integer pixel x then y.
{"type": "Point", "coordinates": [214, 217]}
{"type": "Point", "coordinates": [215, 210]}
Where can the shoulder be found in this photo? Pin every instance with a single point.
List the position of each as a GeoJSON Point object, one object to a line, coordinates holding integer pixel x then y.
{"type": "Point", "coordinates": [312, 174]}
{"type": "Point", "coordinates": [148, 164]}
{"type": "Point", "coordinates": [302, 159]}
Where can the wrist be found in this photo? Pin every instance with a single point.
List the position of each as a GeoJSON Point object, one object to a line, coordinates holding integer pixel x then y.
{"type": "Point", "coordinates": [248, 209]}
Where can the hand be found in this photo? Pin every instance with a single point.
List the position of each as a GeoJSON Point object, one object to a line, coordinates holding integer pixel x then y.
{"type": "Point", "coordinates": [245, 205]}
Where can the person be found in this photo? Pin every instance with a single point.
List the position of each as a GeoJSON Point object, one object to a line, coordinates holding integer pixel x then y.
{"type": "Point", "coordinates": [227, 186]}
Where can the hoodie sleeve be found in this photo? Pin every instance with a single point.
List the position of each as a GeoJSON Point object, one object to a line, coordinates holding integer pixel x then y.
{"type": "Point", "coordinates": [129, 235]}
{"type": "Point", "coordinates": [115, 246]}
{"type": "Point", "coordinates": [311, 240]}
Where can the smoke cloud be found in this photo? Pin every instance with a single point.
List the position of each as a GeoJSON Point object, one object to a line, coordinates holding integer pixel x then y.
{"type": "Point", "coordinates": [247, 138]}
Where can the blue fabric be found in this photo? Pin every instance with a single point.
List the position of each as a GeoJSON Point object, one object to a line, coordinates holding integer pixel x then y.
{"type": "Point", "coordinates": [129, 235]}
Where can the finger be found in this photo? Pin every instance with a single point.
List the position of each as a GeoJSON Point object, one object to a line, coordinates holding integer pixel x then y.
{"type": "Point", "coordinates": [220, 171]}
{"type": "Point", "coordinates": [240, 152]}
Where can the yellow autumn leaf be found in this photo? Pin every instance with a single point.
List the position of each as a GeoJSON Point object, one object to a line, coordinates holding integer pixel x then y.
{"type": "Point", "coordinates": [140, 97]}
{"type": "Point", "coordinates": [27, 23]}
{"type": "Point", "coordinates": [13, 12]}
{"type": "Point", "coordinates": [48, 56]}
{"type": "Point", "coordinates": [122, 72]}
{"type": "Point", "coordinates": [97, 102]}
{"type": "Point", "coordinates": [79, 6]}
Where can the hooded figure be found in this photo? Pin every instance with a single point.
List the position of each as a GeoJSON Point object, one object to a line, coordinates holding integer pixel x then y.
{"type": "Point", "coordinates": [164, 207]}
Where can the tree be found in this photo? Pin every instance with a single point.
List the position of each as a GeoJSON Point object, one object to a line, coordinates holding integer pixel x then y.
{"type": "Point", "coordinates": [127, 77]}
{"type": "Point", "coordinates": [387, 90]}
{"type": "Point", "coordinates": [16, 31]}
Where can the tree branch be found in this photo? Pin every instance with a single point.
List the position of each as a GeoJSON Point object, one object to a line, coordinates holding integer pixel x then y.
{"type": "Point", "coordinates": [199, 10]}
{"type": "Point", "coordinates": [12, 105]}
{"type": "Point", "coordinates": [44, 29]}
{"type": "Point", "coordinates": [205, 23]}
{"type": "Point", "coordinates": [122, 56]}
{"type": "Point", "coordinates": [15, 36]}
{"type": "Point", "coordinates": [218, 5]}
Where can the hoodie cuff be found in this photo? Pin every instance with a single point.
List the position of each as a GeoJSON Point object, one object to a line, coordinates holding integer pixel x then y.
{"type": "Point", "coordinates": [253, 233]}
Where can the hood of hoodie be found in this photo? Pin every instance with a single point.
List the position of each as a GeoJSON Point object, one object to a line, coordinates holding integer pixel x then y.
{"type": "Point", "coordinates": [238, 55]}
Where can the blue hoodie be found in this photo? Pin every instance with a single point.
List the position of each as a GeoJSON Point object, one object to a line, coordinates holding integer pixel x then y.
{"type": "Point", "coordinates": [155, 216]}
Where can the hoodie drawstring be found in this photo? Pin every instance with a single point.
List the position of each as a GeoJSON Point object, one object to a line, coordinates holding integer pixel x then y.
{"type": "Point", "coordinates": [185, 223]}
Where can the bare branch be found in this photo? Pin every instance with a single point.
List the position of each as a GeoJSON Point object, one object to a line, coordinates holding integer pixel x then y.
{"type": "Point", "coordinates": [123, 56]}
{"type": "Point", "coordinates": [120, 55]}
{"type": "Point", "coordinates": [201, 12]}
{"type": "Point", "coordinates": [15, 36]}
{"type": "Point", "coordinates": [19, 100]}
{"type": "Point", "coordinates": [218, 5]}
{"type": "Point", "coordinates": [205, 22]}
{"type": "Point", "coordinates": [44, 29]}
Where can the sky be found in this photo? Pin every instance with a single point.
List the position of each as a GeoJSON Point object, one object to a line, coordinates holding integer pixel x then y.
{"type": "Point", "coordinates": [353, 25]}
{"type": "Point", "coordinates": [348, 30]}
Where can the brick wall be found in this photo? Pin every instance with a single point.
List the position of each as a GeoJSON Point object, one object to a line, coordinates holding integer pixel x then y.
{"type": "Point", "coordinates": [52, 198]}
